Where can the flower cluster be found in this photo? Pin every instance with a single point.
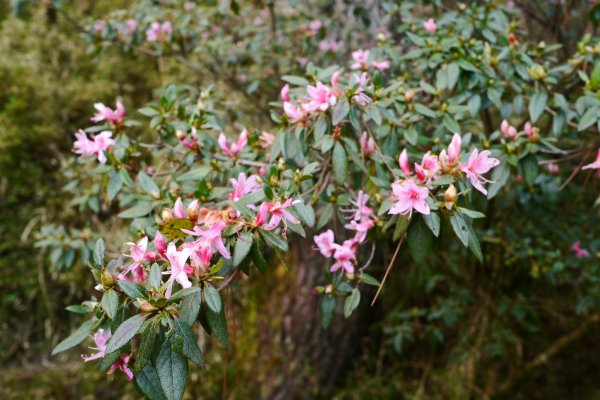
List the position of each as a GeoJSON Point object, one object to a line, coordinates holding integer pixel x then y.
{"type": "Point", "coordinates": [159, 32]}
{"type": "Point", "coordinates": [361, 221]}
{"type": "Point", "coordinates": [94, 147]}
{"type": "Point", "coordinates": [362, 62]}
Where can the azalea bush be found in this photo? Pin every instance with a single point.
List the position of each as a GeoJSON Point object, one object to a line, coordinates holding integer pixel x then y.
{"type": "Point", "coordinates": [436, 139]}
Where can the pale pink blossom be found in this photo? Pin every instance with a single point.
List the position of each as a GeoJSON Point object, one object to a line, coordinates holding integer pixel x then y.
{"type": "Point", "coordinates": [159, 244]}
{"type": "Point", "coordinates": [528, 129]}
{"type": "Point", "coordinates": [325, 243]}
{"type": "Point", "coordinates": [278, 214]}
{"type": "Point", "coordinates": [267, 139]}
{"type": "Point", "coordinates": [344, 256]}
{"type": "Point", "coordinates": [360, 58]}
{"type": "Point", "coordinates": [454, 149]}
{"type": "Point", "coordinates": [100, 339]}
{"type": "Point", "coordinates": [236, 147]}
{"type": "Point", "coordinates": [104, 113]}
{"type": "Point", "coordinates": [361, 210]}
{"type": "Point", "coordinates": [130, 26]}
{"type": "Point", "coordinates": [99, 26]}
{"type": "Point", "coordinates": [294, 113]}
{"type": "Point", "coordinates": [100, 143]}
{"type": "Point", "coordinates": [579, 251]}
{"type": "Point", "coordinates": [321, 97]}
{"type": "Point", "coordinates": [335, 78]}
{"type": "Point", "coordinates": [408, 197]}
{"type": "Point", "coordinates": [361, 227]}
{"type": "Point", "coordinates": [315, 25]}
{"type": "Point", "coordinates": [430, 26]}
{"type": "Point", "coordinates": [285, 93]}
{"type": "Point", "coordinates": [403, 162]}
{"type": "Point", "coordinates": [190, 141]}
{"type": "Point", "coordinates": [477, 165]}
{"type": "Point", "coordinates": [122, 364]}
{"type": "Point", "coordinates": [381, 65]}
{"type": "Point", "coordinates": [213, 236]}
{"type": "Point", "coordinates": [332, 46]}
{"type": "Point", "coordinates": [508, 130]}
{"type": "Point", "coordinates": [428, 168]}
{"type": "Point", "coordinates": [159, 32]}
{"type": "Point", "coordinates": [367, 144]}
{"type": "Point", "coordinates": [553, 168]}
{"type": "Point", "coordinates": [139, 253]}
{"type": "Point", "coordinates": [242, 186]}
{"type": "Point", "coordinates": [595, 164]}
{"type": "Point", "coordinates": [177, 260]}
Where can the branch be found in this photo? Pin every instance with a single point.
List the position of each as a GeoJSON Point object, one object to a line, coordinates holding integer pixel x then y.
{"type": "Point", "coordinates": [562, 343]}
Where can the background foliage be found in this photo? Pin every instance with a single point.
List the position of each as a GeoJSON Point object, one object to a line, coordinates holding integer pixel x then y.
{"type": "Point", "coordinates": [446, 328]}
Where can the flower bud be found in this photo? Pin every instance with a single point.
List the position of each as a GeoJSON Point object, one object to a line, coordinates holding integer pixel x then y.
{"type": "Point", "coordinates": [193, 210]}
{"type": "Point", "coordinates": [167, 215]}
{"type": "Point", "coordinates": [145, 306]}
{"type": "Point", "coordinates": [107, 279]}
{"type": "Point", "coordinates": [409, 96]}
{"type": "Point", "coordinates": [180, 134]}
{"type": "Point", "coordinates": [450, 196]}
{"type": "Point", "coordinates": [329, 289]}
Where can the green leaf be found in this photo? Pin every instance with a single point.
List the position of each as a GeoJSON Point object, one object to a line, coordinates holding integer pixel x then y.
{"type": "Point", "coordinates": [424, 110]}
{"type": "Point", "coordinates": [126, 331]}
{"type": "Point", "coordinates": [146, 348]}
{"type": "Point", "coordinates": [184, 293]}
{"type": "Point", "coordinates": [419, 240]}
{"type": "Point", "coordinates": [212, 298]}
{"type": "Point", "coordinates": [474, 105]}
{"type": "Point", "coordinates": [589, 118]}
{"type": "Point", "coordinates": [215, 325]}
{"type": "Point", "coordinates": [148, 184]}
{"type": "Point", "coordinates": [195, 174]}
{"type": "Point", "coordinates": [125, 177]}
{"type": "Point", "coordinates": [351, 302]}
{"type": "Point", "coordinates": [76, 337]}
{"type": "Point", "coordinates": [368, 279]}
{"type": "Point", "coordinates": [471, 213]}
{"type": "Point", "coordinates": [115, 184]}
{"type": "Point", "coordinates": [306, 213]}
{"type": "Point", "coordinates": [453, 73]}
{"type": "Point", "coordinates": [190, 345]}
{"type": "Point", "coordinates": [110, 303]}
{"type": "Point", "coordinates": [500, 176]}
{"type": "Point", "coordinates": [132, 289]}
{"type": "Point", "coordinates": [411, 135]}
{"type": "Point", "coordinates": [460, 227]}
{"type": "Point", "coordinates": [148, 112]}
{"type": "Point", "coordinates": [432, 220]}
{"type": "Point", "coordinates": [530, 169]}
{"type": "Point", "coordinates": [172, 369]}
{"type": "Point", "coordinates": [242, 247]}
{"type": "Point", "coordinates": [148, 382]}
{"type": "Point", "coordinates": [419, 41]}
{"type": "Point", "coordinates": [257, 257]}
{"type": "Point", "coordinates": [190, 307]}
{"type": "Point", "coordinates": [451, 124]}
{"type": "Point", "coordinates": [537, 105]}
{"type": "Point", "coordinates": [295, 80]}
{"type": "Point", "coordinates": [155, 278]}
{"type": "Point", "coordinates": [273, 240]}
{"type": "Point", "coordinates": [595, 77]}
{"type": "Point", "coordinates": [99, 253]}
{"type": "Point", "coordinates": [139, 210]}
{"type": "Point", "coordinates": [326, 310]}
{"type": "Point", "coordinates": [401, 227]}
{"type": "Point", "coordinates": [474, 243]}
{"type": "Point", "coordinates": [340, 164]}
{"type": "Point", "coordinates": [339, 112]}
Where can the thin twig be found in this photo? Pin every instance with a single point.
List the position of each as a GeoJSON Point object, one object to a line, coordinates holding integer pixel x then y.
{"type": "Point", "coordinates": [389, 268]}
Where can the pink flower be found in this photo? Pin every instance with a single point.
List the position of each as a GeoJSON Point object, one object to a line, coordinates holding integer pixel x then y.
{"type": "Point", "coordinates": [477, 165]}
{"type": "Point", "coordinates": [360, 58]}
{"type": "Point", "coordinates": [361, 210]}
{"type": "Point", "coordinates": [508, 130]}
{"type": "Point", "coordinates": [321, 97]}
{"type": "Point", "coordinates": [579, 252]}
{"type": "Point", "coordinates": [139, 253]}
{"type": "Point", "coordinates": [242, 186]}
{"type": "Point", "coordinates": [105, 113]}
{"type": "Point", "coordinates": [190, 141]}
{"type": "Point", "coordinates": [83, 145]}
{"type": "Point", "coordinates": [325, 243]}
{"type": "Point", "coordinates": [528, 129]}
{"type": "Point", "coordinates": [122, 364]}
{"type": "Point", "coordinates": [86, 147]}
{"type": "Point", "coordinates": [294, 113]}
{"type": "Point", "coordinates": [335, 78]}
{"type": "Point", "coordinates": [428, 168]}
{"type": "Point", "coordinates": [454, 149]}
{"type": "Point", "coordinates": [315, 25]}
{"type": "Point", "coordinates": [409, 196]}
{"type": "Point", "coordinates": [177, 260]}
{"type": "Point", "coordinates": [213, 236]}
{"type": "Point", "coordinates": [159, 244]}
{"type": "Point", "coordinates": [553, 168]}
{"type": "Point", "coordinates": [361, 227]}
{"type": "Point", "coordinates": [430, 26]}
{"type": "Point", "coordinates": [159, 32]}
{"type": "Point", "coordinates": [285, 96]}
{"type": "Point", "coordinates": [131, 26]}
{"type": "Point", "coordinates": [403, 161]}
{"type": "Point", "coordinates": [267, 140]}
{"type": "Point", "coordinates": [235, 147]}
{"type": "Point", "coordinates": [367, 144]}
{"type": "Point", "coordinates": [595, 164]}
{"type": "Point", "coordinates": [381, 65]}
{"type": "Point", "coordinates": [100, 339]}
{"type": "Point", "coordinates": [344, 256]}
{"type": "Point", "coordinates": [99, 26]}
{"type": "Point", "coordinates": [278, 214]}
